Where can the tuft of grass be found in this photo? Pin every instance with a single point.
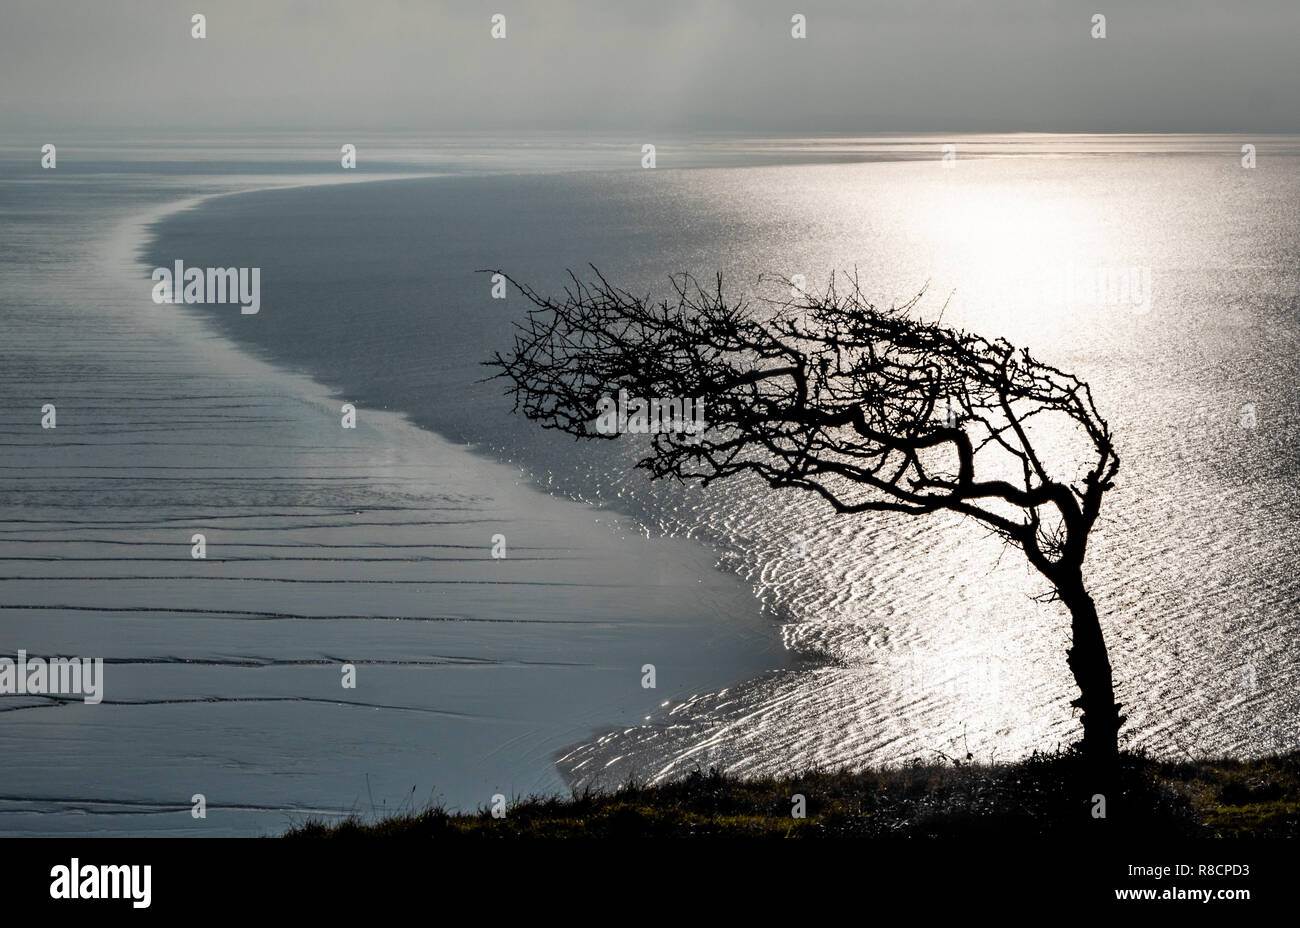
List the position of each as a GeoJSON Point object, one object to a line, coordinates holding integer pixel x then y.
{"type": "Point", "coordinates": [1241, 798]}
{"type": "Point", "coordinates": [1046, 794]}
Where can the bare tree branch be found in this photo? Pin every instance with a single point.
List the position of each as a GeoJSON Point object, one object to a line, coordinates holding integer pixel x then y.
{"type": "Point", "coordinates": [871, 408]}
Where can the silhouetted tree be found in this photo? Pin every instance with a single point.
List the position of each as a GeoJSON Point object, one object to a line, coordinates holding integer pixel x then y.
{"type": "Point", "coordinates": [870, 408]}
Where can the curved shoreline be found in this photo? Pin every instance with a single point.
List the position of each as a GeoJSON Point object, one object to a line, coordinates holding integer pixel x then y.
{"type": "Point", "coordinates": [165, 422]}
{"type": "Point", "coordinates": [738, 647]}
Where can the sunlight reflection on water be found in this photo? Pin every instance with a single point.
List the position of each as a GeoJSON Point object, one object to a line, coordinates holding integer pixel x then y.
{"type": "Point", "coordinates": [1171, 286]}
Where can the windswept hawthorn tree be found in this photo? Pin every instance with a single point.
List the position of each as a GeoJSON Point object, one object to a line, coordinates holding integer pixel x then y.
{"type": "Point", "coordinates": [870, 408]}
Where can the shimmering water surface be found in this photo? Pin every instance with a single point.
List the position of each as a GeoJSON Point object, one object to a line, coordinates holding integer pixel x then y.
{"type": "Point", "coordinates": [902, 637]}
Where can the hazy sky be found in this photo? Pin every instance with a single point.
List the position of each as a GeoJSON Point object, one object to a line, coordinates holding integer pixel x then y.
{"type": "Point", "coordinates": [866, 65]}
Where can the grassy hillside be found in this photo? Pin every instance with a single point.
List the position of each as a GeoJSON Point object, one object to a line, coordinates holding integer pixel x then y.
{"type": "Point", "coordinates": [1046, 794]}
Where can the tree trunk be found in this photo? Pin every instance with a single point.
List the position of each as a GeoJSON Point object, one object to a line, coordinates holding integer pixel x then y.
{"type": "Point", "coordinates": [1090, 665]}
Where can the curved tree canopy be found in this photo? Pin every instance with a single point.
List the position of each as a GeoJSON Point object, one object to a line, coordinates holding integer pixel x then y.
{"type": "Point", "coordinates": [869, 407]}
